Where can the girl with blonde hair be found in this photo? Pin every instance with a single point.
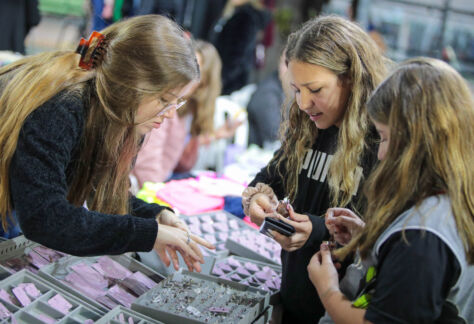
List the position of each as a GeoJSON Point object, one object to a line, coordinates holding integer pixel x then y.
{"type": "Point", "coordinates": [327, 147]}
{"type": "Point", "coordinates": [72, 123]}
{"type": "Point", "coordinates": [418, 242]}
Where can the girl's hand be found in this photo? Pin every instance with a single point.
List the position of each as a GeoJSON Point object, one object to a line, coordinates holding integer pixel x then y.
{"type": "Point", "coordinates": [171, 240]}
{"type": "Point", "coordinates": [323, 273]}
{"type": "Point", "coordinates": [303, 228]}
{"type": "Point", "coordinates": [261, 206]}
{"type": "Point", "coordinates": [167, 217]}
{"type": "Point", "coordinates": [343, 224]}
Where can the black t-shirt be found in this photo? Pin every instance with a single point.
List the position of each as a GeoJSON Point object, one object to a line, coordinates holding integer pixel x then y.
{"type": "Point", "coordinates": [413, 281]}
{"type": "Point", "coordinates": [299, 297]}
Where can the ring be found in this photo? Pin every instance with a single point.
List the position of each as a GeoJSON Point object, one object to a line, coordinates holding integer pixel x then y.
{"type": "Point", "coordinates": [189, 239]}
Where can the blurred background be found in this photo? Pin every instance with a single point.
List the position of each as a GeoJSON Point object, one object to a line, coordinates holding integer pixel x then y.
{"type": "Point", "coordinates": [406, 28]}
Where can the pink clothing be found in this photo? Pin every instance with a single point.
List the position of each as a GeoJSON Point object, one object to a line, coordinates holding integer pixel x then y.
{"type": "Point", "coordinates": [185, 196]}
{"type": "Point", "coordinates": [161, 151]}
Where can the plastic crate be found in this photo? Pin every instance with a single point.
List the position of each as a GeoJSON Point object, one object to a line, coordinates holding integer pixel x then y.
{"type": "Point", "coordinates": [32, 313]}
{"type": "Point", "coordinates": [190, 298]}
{"type": "Point", "coordinates": [58, 271]}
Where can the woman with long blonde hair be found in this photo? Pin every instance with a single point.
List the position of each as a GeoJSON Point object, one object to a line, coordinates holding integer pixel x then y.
{"type": "Point", "coordinates": [327, 146]}
{"type": "Point", "coordinates": [418, 242]}
{"type": "Point", "coordinates": [72, 123]}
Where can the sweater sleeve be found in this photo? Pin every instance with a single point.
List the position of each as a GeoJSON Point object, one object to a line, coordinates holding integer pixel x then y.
{"type": "Point", "coordinates": [38, 186]}
{"type": "Point", "coordinates": [319, 233]}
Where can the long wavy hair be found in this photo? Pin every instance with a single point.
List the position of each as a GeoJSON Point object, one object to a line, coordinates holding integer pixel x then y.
{"type": "Point", "coordinates": [202, 102]}
{"type": "Point", "coordinates": [430, 112]}
{"type": "Point", "coordinates": [145, 56]}
{"type": "Point", "coordinates": [345, 49]}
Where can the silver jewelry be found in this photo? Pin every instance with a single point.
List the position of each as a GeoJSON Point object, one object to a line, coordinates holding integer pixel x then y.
{"type": "Point", "coordinates": [188, 239]}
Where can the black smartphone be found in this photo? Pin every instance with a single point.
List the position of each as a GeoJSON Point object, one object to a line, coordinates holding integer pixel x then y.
{"type": "Point", "coordinates": [271, 223]}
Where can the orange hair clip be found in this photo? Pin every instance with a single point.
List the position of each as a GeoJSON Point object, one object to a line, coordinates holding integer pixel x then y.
{"type": "Point", "coordinates": [97, 53]}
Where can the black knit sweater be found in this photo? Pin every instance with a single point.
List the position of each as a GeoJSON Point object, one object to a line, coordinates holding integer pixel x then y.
{"type": "Point", "coordinates": [40, 174]}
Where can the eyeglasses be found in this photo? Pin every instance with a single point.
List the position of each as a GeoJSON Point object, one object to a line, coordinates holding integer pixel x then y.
{"type": "Point", "coordinates": [180, 103]}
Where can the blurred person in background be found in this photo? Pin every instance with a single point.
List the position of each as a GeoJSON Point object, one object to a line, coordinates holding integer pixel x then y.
{"type": "Point", "coordinates": [17, 17]}
{"type": "Point", "coordinates": [235, 37]}
{"type": "Point", "coordinates": [264, 107]}
{"type": "Point", "coordinates": [174, 146]}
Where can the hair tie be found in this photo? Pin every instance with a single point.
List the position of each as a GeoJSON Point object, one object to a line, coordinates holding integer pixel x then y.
{"type": "Point", "coordinates": [97, 54]}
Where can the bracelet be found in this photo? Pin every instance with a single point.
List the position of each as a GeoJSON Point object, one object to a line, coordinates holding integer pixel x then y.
{"type": "Point", "coordinates": [250, 192]}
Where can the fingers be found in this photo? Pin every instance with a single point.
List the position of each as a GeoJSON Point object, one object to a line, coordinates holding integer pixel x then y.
{"type": "Point", "coordinates": [281, 239]}
{"type": "Point", "coordinates": [174, 257]}
{"type": "Point", "coordinates": [325, 254]}
{"type": "Point", "coordinates": [337, 212]}
{"type": "Point", "coordinates": [297, 224]}
{"type": "Point", "coordinates": [202, 241]}
{"type": "Point", "coordinates": [186, 249]}
{"type": "Point", "coordinates": [264, 202]}
{"type": "Point", "coordinates": [197, 250]}
{"type": "Point", "coordinates": [163, 256]}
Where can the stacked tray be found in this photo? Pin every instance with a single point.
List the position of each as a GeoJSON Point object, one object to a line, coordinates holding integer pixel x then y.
{"type": "Point", "coordinates": [120, 315]}
{"type": "Point", "coordinates": [30, 299]}
{"type": "Point", "coordinates": [20, 253]}
{"type": "Point", "coordinates": [215, 227]}
{"type": "Point", "coordinates": [196, 298]}
{"type": "Point", "coordinates": [249, 272]}
{"type": "Point", "coordinates": [105, 281]}
{"type": "Point", "coordinates": [251, 244]}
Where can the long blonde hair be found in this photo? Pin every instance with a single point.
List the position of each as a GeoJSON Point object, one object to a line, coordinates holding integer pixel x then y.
{"type": "Point", "coordinates": [202, 103]}
{"type": "Point", "coordinates": [430, 112]}
{"type": "Point", "coordinates": [145, 56]}
{"type": "Point", "coordinates": [344, 48]}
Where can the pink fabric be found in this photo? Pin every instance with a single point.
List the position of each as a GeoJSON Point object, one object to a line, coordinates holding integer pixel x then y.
{"type": "Point", "coordinates": [184, 196]}
{"type": "Point", "coordinates": [161, 151]}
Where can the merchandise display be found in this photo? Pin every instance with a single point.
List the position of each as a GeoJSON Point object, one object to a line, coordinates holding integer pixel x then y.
{"type": "Point", "coordinates": [251, 244]}
{"type": "Point", "coordinates": [26, 298]}
{"type": "Point", "coordinates": [121, 314]}
{"type": "Point", "coordinates": [105, 282]}
{"type": "Point", "coordinates": [249, 272]}
{"type": "Point", "coordinates": [216, 228]}
{"type": "Point", "coordinates": [196, 298]}
{"type": "Point", "coordinates": [20, 253]}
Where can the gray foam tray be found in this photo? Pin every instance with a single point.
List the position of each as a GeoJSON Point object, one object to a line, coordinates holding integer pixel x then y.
{"type": "Point", "coordinates": [14, 248]}
{"type": "Point", "coordinates": [57, 271]}
{"type": "Point", "coordinates": [79, 313]}
{"type": "Point", "coordinates": [274, 299]}
{"type": "Point", "coordinates": [244, 248]}
{"type": "Point", "coordinates": [138, 318]}
{"type": "Point", "coordinates": [201, 292]}
{"type": "Point", "coordinates": [215, 227]}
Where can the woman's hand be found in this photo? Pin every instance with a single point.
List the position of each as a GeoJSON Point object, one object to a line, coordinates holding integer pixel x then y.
{"type": "Point", "coordinates": [323, 273]}
{"type": "Point", "coordinates": [261, 206]}
{"type": "Point", "coordinates": [171, 240]}
{"type": "Point", "coordinates": [167, 217]}
{"type": "Point", "coordinates": [343, 224]}
{"type": "Point", "coordinates": [303, 228]}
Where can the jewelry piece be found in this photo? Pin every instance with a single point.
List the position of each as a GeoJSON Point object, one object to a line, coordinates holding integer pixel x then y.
{"type": "Point", "coordinates": [189, 238]}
